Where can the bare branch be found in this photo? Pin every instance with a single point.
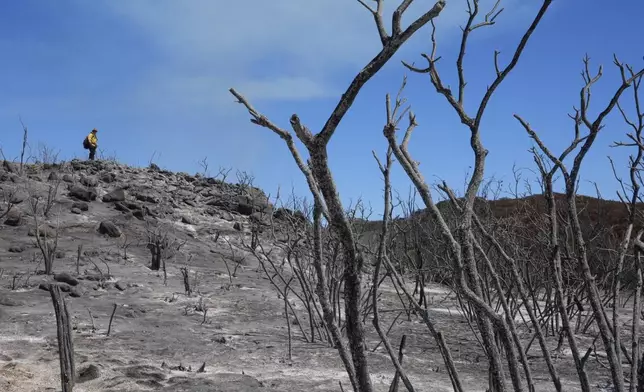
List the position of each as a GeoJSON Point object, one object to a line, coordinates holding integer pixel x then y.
{"type": "Point", "coordinates": [496, 63]}
{"type": "Point", "coordinates": [377, 16]}
{"type": "Point", "coordinates": [372, 68]}
{"type": "Point", "coordinates": [24, 145]}
{"type": "Point", "coordinates": [456, 103]}
{"type": "Point", "coordinates": [490, 17]}
{"type": "Point", "coordinates": [541, 145]}
{"type": "Point", "coordinates": [473, 10]}
{"type": "Point", "coordinates": [626, 83]}
{"type": "Point", "coordinates": [302, 132]}
{"type": "Point", "coordinates": [513, 62]}
{"type": "Point", "coordinates": [260, 119]}
{"type": "Point", "coordinates": [397, 16]}
{"type": "Point", "coordinates": [410, 128]}
{"type": "Point", "coordinates": [595, 126]}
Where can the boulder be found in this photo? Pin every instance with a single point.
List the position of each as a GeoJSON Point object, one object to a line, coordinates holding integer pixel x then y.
{"type": "Point", "coordinates": [247, 205]}
{"type": "Point", "coordinates": [14, 218]}
{"type": "Point", "coordinates": [10, 167]}
{"type": "Point", "coordinates": [17, 248]}
{"type": "Point", "coordinates": [146, 197]}
{"type": "Point", "coordinates": [121, 207]}
{"type": "Point", "coordinates": [139, 214]}
{"type": "Point", "coordinates": [89, 181]}
{"type": "Point", "coordinates": [89, 373]}
{"type": "Point", "coordinates": [245, 209]}
{"type": "Point", "coordinates": [285, 214]}
{"type": "Point", "coordinates": [64, 277]}
{"type": "Point", "coordinates": [18, 197]}
{"type": "Point", "coordinates": [114, 196]}
{"type": "Point", "coordinates": [133, 206]}
{"type": "Point", "coordinates": [109, 228]}
{"type": "Point", "coordinates": [188, 220]}
{"type": "Point", "coordinates": [108, 177]}
{"type": "Point", "coordinates": [81, 193]}
{"type": "Point", "coordinates": [227, 216]}
{"type": "Point", "coordinates": [260, 218]}
{"type": "Point", "coordinates": [44, 231]}
{"type": "Point", "coordinates": [81, 205]}
{"type": "Point", "coordinates": [218, 201]}
{"type": "Point", "coordinates": [64, 287]}
{"type": "Point", "coordinates": [75, 292]}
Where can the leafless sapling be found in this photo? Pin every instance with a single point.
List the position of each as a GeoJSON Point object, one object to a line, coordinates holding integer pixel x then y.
{"type": "Point", "coordinates": [163, 246]}
{"type": "Point", "coordinates": [185, 273]}
{"type": "Point", "coordinates": [223, 173]}
{"type": "Point", "coordinates": [52, 195]}
{"type": "Point", "coordinates": [43, 234]}
{"type": "Point", "coordinates": [8, 202]}
{"type": "Point", "coordinates": [204, 166]}
{"type": "Point", "coordinates": [24, 145]}
{"type": "Point", "coordinates": [288, 321]}
{"type": "Point", "coordinates": [79, 252]}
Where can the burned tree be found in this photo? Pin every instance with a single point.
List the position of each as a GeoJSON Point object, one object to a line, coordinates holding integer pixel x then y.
{"type": "Point", "coordinates": [322, 186]}
{"type": "Point", "coordinates": [484, 264]}
{"type": "Point", "coordinates": [8, 202]}
{"type": "Point", "coordinates": [65, 342]}
{"type": "Point", "coordinates": [162, 246]}
{"type": "Point", "coordinates": [46, 236]}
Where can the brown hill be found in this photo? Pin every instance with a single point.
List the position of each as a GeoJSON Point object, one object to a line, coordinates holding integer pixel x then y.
{"type": "Point", "coordinates": [522, 225]}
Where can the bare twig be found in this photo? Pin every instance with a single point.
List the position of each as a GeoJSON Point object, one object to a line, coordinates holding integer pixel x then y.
{"type": "Point", "coordinates": [65, 340]}
{"type": "Point", "coordinates": [109, 327]}
{"type": "Point", "coordinates": [92, 320]}
{"type": "Point", "coordinates": [24, 145]}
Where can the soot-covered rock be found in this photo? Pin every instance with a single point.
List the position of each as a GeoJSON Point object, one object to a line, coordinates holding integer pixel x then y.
{"type": "Point", "coordinates": [81, 193]}
{"type": "Point", "coordinates": [110, 229]}
{"type": "Point", "coordinates": [114, 196]}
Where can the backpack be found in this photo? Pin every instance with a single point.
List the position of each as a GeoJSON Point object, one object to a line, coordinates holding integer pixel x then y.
{"type": "Point", "coordinates": [86, 143]}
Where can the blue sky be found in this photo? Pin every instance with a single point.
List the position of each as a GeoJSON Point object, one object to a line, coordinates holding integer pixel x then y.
{"type": "Point", "coordinates": [153, 76]}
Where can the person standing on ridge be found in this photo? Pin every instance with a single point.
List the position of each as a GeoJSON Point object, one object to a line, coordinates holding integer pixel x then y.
{"type": "Point", "coordinates": [91, 143]}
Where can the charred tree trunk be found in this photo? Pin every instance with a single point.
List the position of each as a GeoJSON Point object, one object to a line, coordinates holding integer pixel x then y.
{"type": "Point", "coordinates": [65, 344]}
{"type": "Point", "coordinates": [155, 250]}
{"type": "Point", "coordinates": [186, 281]}
{"type": "Point", "coordinates": [640, 375]}
{"type": "Point", "coordinates": [394, 383]}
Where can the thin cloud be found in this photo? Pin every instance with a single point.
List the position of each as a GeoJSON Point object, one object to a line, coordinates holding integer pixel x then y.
{"type": "Point", "coordinates": [286, 88]}
{"type": "Point", "coordinates": [298, 47]}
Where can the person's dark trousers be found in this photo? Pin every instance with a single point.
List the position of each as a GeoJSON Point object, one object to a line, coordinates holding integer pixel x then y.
{"type": "Point", "coordinates": [92, 153]}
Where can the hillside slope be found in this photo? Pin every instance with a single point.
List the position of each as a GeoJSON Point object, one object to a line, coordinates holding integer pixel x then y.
{"type": "Point", "coordinates": [233, 322]}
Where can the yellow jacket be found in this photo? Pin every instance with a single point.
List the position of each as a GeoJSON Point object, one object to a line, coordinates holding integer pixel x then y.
{"type": "Point", "coordinates": [93, 140]}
